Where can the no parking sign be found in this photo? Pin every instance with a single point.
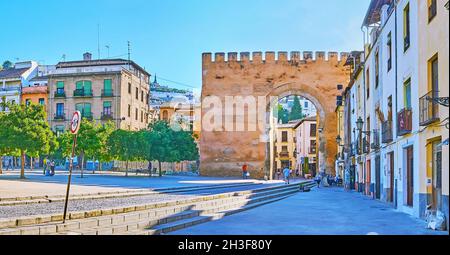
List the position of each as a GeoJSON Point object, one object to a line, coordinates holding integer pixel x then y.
{"type": "Point", "coordinates": [75, 123]}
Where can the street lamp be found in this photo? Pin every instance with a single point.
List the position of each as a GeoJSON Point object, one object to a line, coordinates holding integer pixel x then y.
{"type": "Point", "coordinates": [339, 140]}
{"type": "Point", "coordinates": [359, 126]}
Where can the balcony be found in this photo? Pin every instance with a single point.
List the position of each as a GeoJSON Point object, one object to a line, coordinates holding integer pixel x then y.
{"type": "Point", "coordinates": [375, 140]}
{"type": "Point", "coordinates": [82, 93]}
{"type": "Point", "coordinates": [283, 154]}
{"type": "Point", "coordinates": [59, 117]}
{"type": "Point", "coordinates": [60, 94]}
{"type": "Point", "coordinates": [107, 93]}
{"type": "Point", "coordinates": [387, 134]}
{"type": "Point", "coordinates": [107, 116]}
{"type": "Point", "coordinates": [429, 109]}
{"type": "Point", "coordinates": [404, 119]}
{"type": "Point", "coordinates": [87, 115]}
{"type": "Point", "coordinates": [365, 146]}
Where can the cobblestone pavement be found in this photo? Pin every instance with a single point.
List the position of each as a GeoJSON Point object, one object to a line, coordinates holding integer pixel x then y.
{"type": "Point", "coordinates": [325, 211]}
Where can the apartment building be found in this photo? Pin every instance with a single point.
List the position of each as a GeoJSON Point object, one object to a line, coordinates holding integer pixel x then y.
{"type": "Point", "coordinates": [14, 79]}
{"type": "Point", "coordinates": [115, 90]}
{"type": "Point", "coordinates": [433, 28]}
{"type": "Point", "coordinates": [306, 145]}
{"type": "Point", "coordinates": [285, 146]}
{"type": "Point", "coordinates": [397, 106]}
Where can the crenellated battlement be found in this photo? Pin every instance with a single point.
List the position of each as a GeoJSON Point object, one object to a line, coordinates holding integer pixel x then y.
{"type": "Point", "coordinates": [278, 57]}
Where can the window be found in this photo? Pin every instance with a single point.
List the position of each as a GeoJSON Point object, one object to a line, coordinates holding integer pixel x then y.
{"type": "Point", "coordinates": [406, 28]}
{"type": "Point", "coordinates": [432, 9]}
{"type": "Point", "coordinates": [142, 96]}
{"type": "Point", "coordinates": [60, 109]}
{"type": "Point", "coordinates": [60, 87]}
{"type": "Point", "coordinates": [146, 99]}
{"type": "Point", "coordinates": [284, 148]}
{"type": "Point", "coordinates": [284, 137]}
{"type": "Point", "coordinates": [137, 93]}
{"type": "Point", "coordinates": [129, 111]}
{"type": "Point", "coordinates": [434, 75]}
{"type": "Point", "coordinates": [27, 102]}
{"type": "Point", "coordinates": [313, 130]}
{"type": "Point", "coordinates": [107, 87]}
{"type": "Point", "coordinates": [306, 104]}
{"type": "Point", "coordinates": [136, 114]}
{"type": "Point", "coordinates": [368, 82]}
{"type": "Point", "coordinates": [84, 88]}
{"type": "Point", "coordinates": [107, 108]}
{"type": "Point", "coordinates": [59, 130]}
{"type": "Point", "coordinates": [377, 69]}
{"type": "Point", "coordinates": [142, 116]}
{"type": "Point", "coordinates": [129, 88]}
{"type": "Point", "coordinates": [407, 93]}
{"type": "Point", "coordinates": [85, 109]}
{"type": "Point", "coordinates": [389, 51]}
{"type": "Point", "coordinates": [165, 116]}
{"type": "Point", "coordinates": [41, 101]}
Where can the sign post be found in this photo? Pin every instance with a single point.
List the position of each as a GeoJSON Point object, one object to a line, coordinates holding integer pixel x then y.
{"type": "Point", "coordinates": [74, 128]}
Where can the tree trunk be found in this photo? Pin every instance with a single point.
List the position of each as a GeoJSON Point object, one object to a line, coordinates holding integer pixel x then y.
{"type": "Point", "coordinates": [126, 169]}
{"type": "Point", "coordinates": [1, 164]}
{"type": "Point", "coordinates": [82, 164]}
{"type": "Point", "coordinates": [160, 170]}
{"type": "Point", "coordinates": [22, 165]}
{"type": "Point", "coordinates": [31, 163]}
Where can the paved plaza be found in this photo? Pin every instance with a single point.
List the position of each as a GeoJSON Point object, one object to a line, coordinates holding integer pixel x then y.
{"type": "Point", "coordinates": [36, 184]}
{"type": "Point", "coordinates": [325, 211]}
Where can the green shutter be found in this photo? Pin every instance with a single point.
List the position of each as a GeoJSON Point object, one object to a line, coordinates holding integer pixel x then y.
{"type": "Point", "coordinates": [79, 85]}
{"type": "Point", "coordinates": [87, 87]}
{"type": "Point", "coordinates": [106, 104]}
{"type": "Point", "coordinates": [60, 85]}
{"type": "Point", "coordinates": [107, 85]}
{"type": "Point", "coordinates": [87, 108]}
{"type": "Point", "coordinates": [79, 107]}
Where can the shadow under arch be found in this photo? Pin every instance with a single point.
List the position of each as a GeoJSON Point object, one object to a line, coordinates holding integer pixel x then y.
{"type": "Point", "coordinates": [312, 94]}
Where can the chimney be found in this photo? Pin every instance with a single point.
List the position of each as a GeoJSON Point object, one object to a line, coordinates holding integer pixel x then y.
{"type": "Point", "coordinates": [87, 56]}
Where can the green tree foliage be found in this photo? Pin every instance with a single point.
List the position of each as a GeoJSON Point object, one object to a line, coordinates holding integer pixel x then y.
{"type": "Point", "coordinates": [124, 146]}
{"type": "Point", "coordinates": [7, 65]}
{"type": "Point", "coordinates": [296, 111]}
{"type": "Point", "coordinates": [28, 132]}
{"type": "Point", "coordinates": [283, 114]}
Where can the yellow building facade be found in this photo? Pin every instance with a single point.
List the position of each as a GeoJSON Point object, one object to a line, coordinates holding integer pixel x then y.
{"type": "Point", "coordinates": [433, 29]}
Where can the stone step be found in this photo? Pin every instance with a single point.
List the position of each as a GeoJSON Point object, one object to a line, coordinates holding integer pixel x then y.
{"type": "Point", "coordinates": [206, 217]}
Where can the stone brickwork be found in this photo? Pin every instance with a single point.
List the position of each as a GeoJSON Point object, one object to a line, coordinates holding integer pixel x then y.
{"type": "Point", "coordinates": [313, 76]}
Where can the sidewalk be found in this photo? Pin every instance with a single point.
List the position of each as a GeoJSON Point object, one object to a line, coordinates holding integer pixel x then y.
{"type": "Point", "coordinates": [325, 211]}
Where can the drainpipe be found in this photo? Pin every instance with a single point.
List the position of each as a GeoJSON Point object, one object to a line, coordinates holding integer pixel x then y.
{"type": "Point", "coordinates": [364, 92]}
{"type": "Point", "coordinates": [396, 97]}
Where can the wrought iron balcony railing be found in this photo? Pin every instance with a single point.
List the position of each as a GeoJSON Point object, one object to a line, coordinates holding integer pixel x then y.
{"type": "Point", "coordinates": [375, 140]}
{"type": "Point", "coordinates": [107, 116]}
{"type": "Point", "coordinates": [82, 93]}
{"type": "Point", "coordinates": [87, 115]}
{"type": "Point", "coordinates": [107, 93]}
{"type": "Point", "coordinates": [59, 117]}
{"type": "Point", "coordinates": [312, 150]}
{"type": "Point", "coordinates": [429, 109]}
{"type": "Point", "coordinates": [387, 134]}
{"type": "Point", "coordinates": [60, 94]}
{"type": "Point", "coordinates": [404, 122]}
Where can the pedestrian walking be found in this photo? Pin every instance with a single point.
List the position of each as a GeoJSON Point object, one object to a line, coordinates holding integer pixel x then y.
{"type": "Point", "coordinates": [245, 173]}
{"type": "Point", "coordinates": [286, 174]}
{"type": "Point", "coordinates": [278, 173]}
{"type": "Point", "coordinates": [318, 180]}
{"type": "Point", "coordinates": [45, 165]}
{"type": "Point", "coordinates": [52, 168]}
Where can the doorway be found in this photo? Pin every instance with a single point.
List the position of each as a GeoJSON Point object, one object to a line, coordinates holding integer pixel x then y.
{"type": "Point", "coordinates": [391, 177]}
{"type": "Point", "coordinates": [378, 177]}
{"type": "Point", "coordinates": [436, 193]}
{"type": "Point", "coordinates": [410, 176]}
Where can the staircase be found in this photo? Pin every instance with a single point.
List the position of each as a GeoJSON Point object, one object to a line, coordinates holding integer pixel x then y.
{"type": "Point", "coordinates": [153, 219]}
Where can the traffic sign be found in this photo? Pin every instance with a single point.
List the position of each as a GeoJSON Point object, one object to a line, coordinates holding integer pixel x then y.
{"type": "Point", "coordinates": [75, 123]}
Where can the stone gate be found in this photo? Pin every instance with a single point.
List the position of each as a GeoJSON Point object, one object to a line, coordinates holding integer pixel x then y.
{"type": "Point", "coordinates": [266, 75]}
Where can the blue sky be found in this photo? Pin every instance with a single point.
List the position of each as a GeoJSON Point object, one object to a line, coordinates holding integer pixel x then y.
{"type": "Point", "coordinates": [168, 36]}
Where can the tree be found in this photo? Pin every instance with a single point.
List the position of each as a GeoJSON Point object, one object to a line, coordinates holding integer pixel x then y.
{"type": "Point", "coordinates": [28, 132]}
{"type": "Point", "coordinates": [296, 111]}
{"type": "Point", "coordinates": [282, 114]}
{"type": "Point", "coordinates": [103, 133]}
{"type": "Point", "coordinates": [124, 146]}
{"type": "Point", "coordinates": [164, 144]}
{"type": "Point", "coordinates": [7, 65]}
